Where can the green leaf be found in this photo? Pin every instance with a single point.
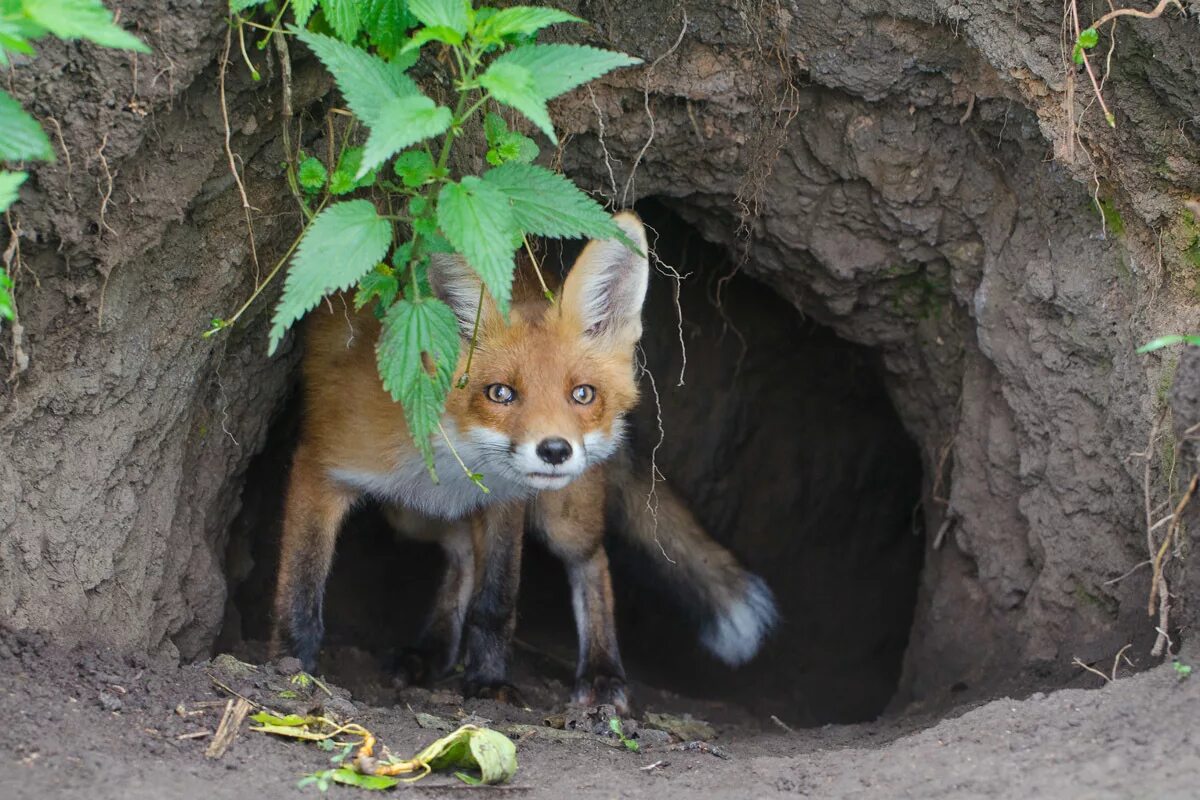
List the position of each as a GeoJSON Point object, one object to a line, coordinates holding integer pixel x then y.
{"type": "Point", "coordinates": [415, 167]}
{"type": "Point", "coordinates": [1168, 340]}
{"type": "Point", "coordinates": [344, 180]}
{"type": "Point", "coordinates": [82, 19]}
{"type": "Point", "coordinates": [494, 128]}
{"type": "Point", "coordinates": [558, 68]}
{"type": "Point", "coordinates": [241, 5]}
{"type": "Point", "coordinates": [1089, 38]}
{"type": "Point", "coordinates": [454, 14]}
{"type": "Point", "coordinates": [10, 184]}
{"type": "Point", "coordinates": [478, 219]}
{"type": "Point", "coordinates": [340, 246]}
{"type": "Point", "coordinates": [469, 780]}
{"type": "Point", "coordinates": [489, 751]}
{"type": "Point", "coordinates": [349, 777]}
{"type": "Point", "coordinates": [7, 311]}
{"type": "Point", "coordinates": [302, 10]}
{"type": "Point", "coordinates": [387, 23]}
{"type": "Point", "coordinates": [21, 137]}
{"type": "Point", "coordinates": [379, 283]}
{"type": "Point", "coordinates": [412, 328]}
{"type": "Point", "coordinates": [367, 82]}
{"type": "Point", "coordinates": [289, 721]}
{"type": "Point", "coordinates": [547, 204]}
{"type": "Point", "coordinates": [402, 122]}
{"type": "Point", "coordinates": [312, 174]}
{"type": "Point", "coordinates": [342, 16]}
{"type": "Point", "coordinates": [514, 85]}
{"type": "Point", "coordinates": [520, 21]}
{"type": "Point", "coordinates": [437, 33]}
{"type": "Point", "coordinates": [15, 35]}
{"type": "Point", "coordinates": [1077, 54]}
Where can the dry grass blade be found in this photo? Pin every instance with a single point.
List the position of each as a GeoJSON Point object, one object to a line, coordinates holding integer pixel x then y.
{"type": "Point", "coordinates": [227, 731]}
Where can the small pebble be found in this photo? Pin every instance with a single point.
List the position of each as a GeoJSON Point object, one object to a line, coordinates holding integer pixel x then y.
{"type": "Point", "coordinates": [110, 702]}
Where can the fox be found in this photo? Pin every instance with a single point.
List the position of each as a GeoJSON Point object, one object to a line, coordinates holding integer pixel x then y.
{"type": "Point", "coordinates": [541, 413]}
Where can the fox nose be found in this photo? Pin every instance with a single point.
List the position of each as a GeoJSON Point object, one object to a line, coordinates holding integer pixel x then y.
{"type": "Point", "coordinates": [554, 450]}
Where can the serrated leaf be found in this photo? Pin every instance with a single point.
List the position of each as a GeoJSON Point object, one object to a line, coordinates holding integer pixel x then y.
{"type": "Point", "coordinates": [403, 121]}
{"type": "Point", "coordinates": [1089, 38]}
{"type": "Point", "coordinates": [340, 246]}
{"type": "Point", "coordinates": [14, 37]}
{"type": "Point", "coordinates": [366, 81]}
{"type": "Point", "coordinates": [520, 20]}
{"type": "Point", "coordinates": [10, 185]}
{"type": "Point", "coordinates": [386, 23]}
{"type": "Point", "coordinates": [547, 204]}
{"type": "Point", "coordinates": [379, 283]}
{"type": "Point", "coordinates": [21, 137]}
{"type": "Point", "coordinates": [241, 5]}
{"type": "Point", "coordinates": [558, 68]}
{"type": "Point", "coordinates": [515, 86]}
{"type": "Point", "coordinates": [454, 14]}
{"type": "Point", "coordinates": [1077, 54]}
{"type": "Point", "coordinates": [312, 174]}
{"type": "Point", "coordinates": [494, 128]}
{"type": "Point", "coordinates": [302, 10]}
{"type": "Point", "coordinates": [436, 33]}
{"type": "Point", "coordinates": [349, 777]}
{"type": "Point", "coordinates": [477, 218]}
{"type": "Point", "coordinates": [413, 329]}
{"type": "Point", "coordinates": [82, 19]}
{"type": "Point", "coordinates": [343, 17]}
{"type": "Point", "coordinates": [414, 167]}
{"type": "Point", "coordinates": [344, 180]}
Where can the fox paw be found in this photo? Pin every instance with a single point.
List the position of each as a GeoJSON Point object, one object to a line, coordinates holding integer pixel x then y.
{"type": "Point", "coordinates": [603, 690]}
{"type": "Point", "coordinates": [500, 692]}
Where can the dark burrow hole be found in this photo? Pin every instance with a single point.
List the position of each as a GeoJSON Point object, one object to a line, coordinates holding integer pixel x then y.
{"type": "Point", "coordinates": [783, 441]}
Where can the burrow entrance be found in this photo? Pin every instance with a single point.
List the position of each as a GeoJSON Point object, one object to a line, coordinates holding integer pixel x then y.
{"type": "Point", "coordinates": [782, 439]}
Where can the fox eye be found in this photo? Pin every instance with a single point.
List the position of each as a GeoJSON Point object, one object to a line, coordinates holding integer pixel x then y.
{"type": "Point", "coordinates": [583, 394]}
{"type": "Point", "coordinates": [500, 393]}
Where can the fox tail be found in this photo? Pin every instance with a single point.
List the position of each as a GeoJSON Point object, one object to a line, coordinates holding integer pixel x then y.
{"type": "Point", "coordinates": [735, 608]}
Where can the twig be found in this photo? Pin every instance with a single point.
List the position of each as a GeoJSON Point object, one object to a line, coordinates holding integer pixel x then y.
{"type": "Point", "coordinates": [195, 734]}
{"type": "Point", "coordinates": [782, 724]}
{"type": "Point", "coordinates": [236, 693]}
{"type": "Point", "coordinates": [655, 765]}
{"type": "Point", "coordinates": [1162, 554]}
{"type": "Point", "coordinates": [227, 731]}
{"type": "Point", "coordinates": [1117, 660]}
{"type": "Point", "coordinates": [1077, 662]}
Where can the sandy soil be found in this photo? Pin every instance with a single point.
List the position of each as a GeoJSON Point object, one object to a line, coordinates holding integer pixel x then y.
{"type": "Point", "coordinates": [92, 724]}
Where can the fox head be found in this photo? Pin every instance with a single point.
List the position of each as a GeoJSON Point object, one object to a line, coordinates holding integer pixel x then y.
{"type": "Point", "coordinates": [548, 388]}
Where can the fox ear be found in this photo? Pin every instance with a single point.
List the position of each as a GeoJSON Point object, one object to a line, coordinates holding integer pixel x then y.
{"type": "Point", "coordinates": [606, 287]}
{"type": "Point", "coordinates": [458, 286]}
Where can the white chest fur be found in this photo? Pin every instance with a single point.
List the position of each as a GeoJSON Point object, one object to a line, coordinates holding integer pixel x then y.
{"type": "Point", "coordinates": [454, 496]}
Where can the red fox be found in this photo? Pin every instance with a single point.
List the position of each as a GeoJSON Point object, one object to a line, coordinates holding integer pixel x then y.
{"type": "Point", "coordinates": [541, 416]}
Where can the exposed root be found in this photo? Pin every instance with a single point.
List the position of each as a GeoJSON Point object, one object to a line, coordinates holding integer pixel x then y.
{"type": "Point", "coordinates": [13, 266]}
{"type": "Point", "coordinates": [246, 207]}
{"type": "Point", "coordinates": [649, 114]}
{"type": "Point", "coordinates": [66, 151]}
{"type": "Point", "coordinates": [107, 191]}
{"type": "Point", "coordinates": [655, 474]}
{"type": "Point", "coordinates": [608, 159]}
{"type": "Point", "coordinates": [671, 272]}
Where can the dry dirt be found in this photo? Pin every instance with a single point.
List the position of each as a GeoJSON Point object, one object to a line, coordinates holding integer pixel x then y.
{"type": "Point", "coordinates": [92, 724]}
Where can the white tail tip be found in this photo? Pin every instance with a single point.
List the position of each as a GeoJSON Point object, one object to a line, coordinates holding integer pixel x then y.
{"type": "Point", "coordinates": [737, 631]}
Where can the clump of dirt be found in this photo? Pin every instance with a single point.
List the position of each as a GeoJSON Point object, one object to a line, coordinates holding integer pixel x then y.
{"type": "Point", "coordinates": [81, 723]}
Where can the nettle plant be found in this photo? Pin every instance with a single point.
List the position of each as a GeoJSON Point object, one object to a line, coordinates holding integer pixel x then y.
{"type": "Point", "coordinates": [21, 137]}
{"type": "Point", "coordinates": [404, 166]}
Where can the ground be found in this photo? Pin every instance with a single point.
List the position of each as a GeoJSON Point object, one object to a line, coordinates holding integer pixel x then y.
{"type": "Point", "coordinates": [92, 724]}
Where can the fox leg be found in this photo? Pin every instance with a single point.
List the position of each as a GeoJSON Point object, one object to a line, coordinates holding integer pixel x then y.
{"type": "Point", "coordinates": [437, 647]}
{"type": "Point", "coordinates": [572, 522]}
{"type": "Point", "coordinates": [313, 512]}
{"type": "Point", "coordinates": [492, 612]}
